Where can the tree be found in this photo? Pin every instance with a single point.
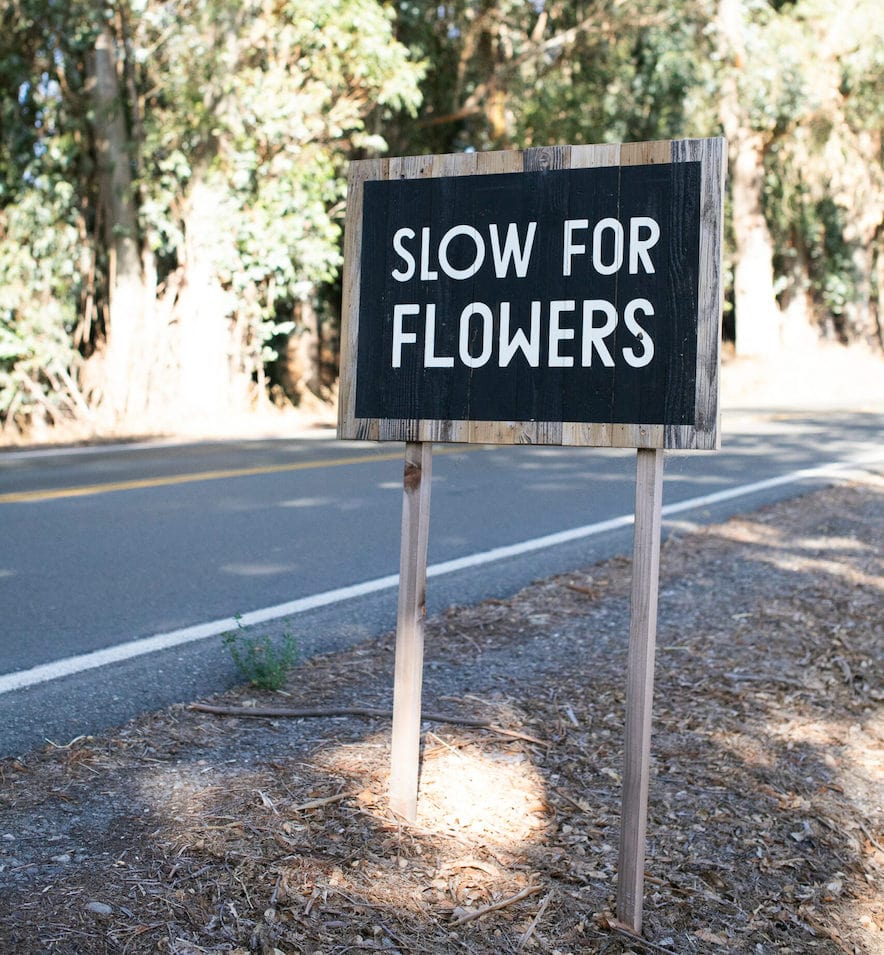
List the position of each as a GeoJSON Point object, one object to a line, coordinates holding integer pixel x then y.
{"type": "Point", "coordinates": [797, 84]}
{"type": "Point", "coordinates": [510, 74]}
{"type": "Point", "coordinates": [195, 154]}
{"type": "Point", "coordinates": [172, 173]}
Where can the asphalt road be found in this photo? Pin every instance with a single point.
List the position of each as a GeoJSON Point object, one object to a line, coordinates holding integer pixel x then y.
{"type": "Point", "coordinates": [119, 546]}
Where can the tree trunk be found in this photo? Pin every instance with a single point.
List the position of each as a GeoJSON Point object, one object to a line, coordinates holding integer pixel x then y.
{"type": "Point", "coordinates": [798, 328]}
{"type": "Point", "coordinates": [756, 311]}
{"type": "Point", "coordinates": [203, 343]}
{"type": "Point", "coordinates": [125, 391]}
{"type": "Point", "coordinates": [302, 369]}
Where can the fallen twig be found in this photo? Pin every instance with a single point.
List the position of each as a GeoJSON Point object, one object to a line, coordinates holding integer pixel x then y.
{"type": "Point", "coordinates": [871, 838]}
{"type": "Point", "coordinates": [471, 916]}
{"type": "Point", "coordinates": [316, 803]}
{"type": "Point", "coordinates": [523, 941]}
{"type": "Point", "coordinates": [285, 712]}
{"type": "Point", "coordinates": [614, 926]}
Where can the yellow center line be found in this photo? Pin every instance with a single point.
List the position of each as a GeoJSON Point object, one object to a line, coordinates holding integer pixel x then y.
{"type": "Point", "coordinates": [29, 497]}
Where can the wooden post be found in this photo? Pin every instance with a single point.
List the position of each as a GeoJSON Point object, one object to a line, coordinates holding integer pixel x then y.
{"type": "Point", "coordinates": [640, 686]}
{"type": "Point", "coordinates": [410, 629]}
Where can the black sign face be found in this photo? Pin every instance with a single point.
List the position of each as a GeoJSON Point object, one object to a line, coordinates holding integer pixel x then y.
{"type": "Point", "coordinates": [561, 295]}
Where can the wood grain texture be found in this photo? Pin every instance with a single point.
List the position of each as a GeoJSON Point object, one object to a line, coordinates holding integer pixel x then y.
{"type": "Point", "coordinates": [408, 678]}
{"type": "Point", "coordinates": [712, 153]}
{"type": "Point", "coordinates": [645, 154]}
{"type": "Point", "coordinates": [359, 173]}
{"type": "Point", "coordinates": [640, 686]}
{"type": "Point", "coordinates": [595, 157]}
{"type": "Point", "coordinates": [701, 434]}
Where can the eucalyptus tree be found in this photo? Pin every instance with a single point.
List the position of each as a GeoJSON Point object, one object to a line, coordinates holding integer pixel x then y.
{"type": "Point", "coordinates": [515, 73]}
{"type": "Point", "coordinates": [800, 102]}
{"type": "Point", "coordinates": [795, 85]}
{"type": "Point", "coordinates": [179, 166]}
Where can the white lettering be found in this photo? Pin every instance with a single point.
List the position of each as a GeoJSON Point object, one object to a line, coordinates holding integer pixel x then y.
{"type": "Point", "coordinates": [431, 359]}
{"type": "Point", "coordinates": [638, 247]}
{"type": "Point", "coordinates": [399, 274]}
{"type": "Point", "coordinates": [594, 337]}
{"type": "Point", "coordinates": [478, 258]}
{"type": "Point", "coordinates": [476, 308]}
{"type": "Point", "coordinates": [645, 340]}
{"type": "Point", "coordinates": [427, 275]}
{"type": "Point", "coordinates": [530, 348]}
{"type": "Point", "coordinates": [571, 248]}
{"type": "Point", "coordinates": [598, 232]}
{"type": "Point", "coordinates": [511, 250]}
{"type": "Point", "coordinates": [558, 334]}
{"type": "Point", "coordinates": [401, 337]}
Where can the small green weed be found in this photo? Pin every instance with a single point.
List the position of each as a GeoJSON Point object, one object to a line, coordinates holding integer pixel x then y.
{"type": "Point", "coordinates": [259, 660]}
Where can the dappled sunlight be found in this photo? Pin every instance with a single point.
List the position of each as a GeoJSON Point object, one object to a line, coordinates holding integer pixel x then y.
{"type": "Point", "coordinates": [258, 569]}
{"type": "Point", "coordinates": [835, 556]}
{"type": "Point", "coordinates": [323, 815]}
{"type": "Point", "coordinates": [300, 502]}
{"type": "Point", "coordinates": [491, 796]}
{"type": "Point", "coordinates": [183, 794]}
{"type": "Point", "coordinates": [482, 791]}
{"type": "Point", "coordinates": [571, 486]}
{"type": "Point", "coordinates": [850, 748]}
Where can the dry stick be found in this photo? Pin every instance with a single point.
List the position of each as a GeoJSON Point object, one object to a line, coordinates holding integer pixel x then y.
{"type": "Point", "coordinates": [523, 941]}
{"type": "Point", "coordinates": [471, 916]}
{"type": "Point", "coordinates": [288, 712]}
{"type": "Point", "coordinates": [871, 838]}
{"type": "Point", "coordinates": [327, 801]}
{"type": "Point", "coordinates": [622, 929]}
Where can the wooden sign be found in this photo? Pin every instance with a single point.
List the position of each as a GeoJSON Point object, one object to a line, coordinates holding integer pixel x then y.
{"type": "Point", "coordinates": [565, 295]}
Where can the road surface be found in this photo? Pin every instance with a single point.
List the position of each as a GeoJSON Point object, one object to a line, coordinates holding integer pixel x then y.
{"type": "Point", "coordinates": [109, 553]}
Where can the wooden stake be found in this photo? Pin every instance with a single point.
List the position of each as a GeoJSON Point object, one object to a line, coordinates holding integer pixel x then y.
{"type": "Point", "coordinates": [408, 678]}
{"type": "Point", "coordinates": [640, 686]}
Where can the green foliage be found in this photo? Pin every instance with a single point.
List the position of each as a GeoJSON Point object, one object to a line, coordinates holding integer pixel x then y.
{"type": "Point", "coordinates": [270, 101]}
{"type": "Point", "coordinates": [264, 104]}
{"type": "Point", "coordinates": [260, 660]}
{"type": "Point", "coordinates": [43, 263]}
{"type": "Point", "coordinates": [513, 74]}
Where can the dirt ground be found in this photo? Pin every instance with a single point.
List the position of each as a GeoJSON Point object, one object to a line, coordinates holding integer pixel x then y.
{"type": "Point", "coordinates": [185, 832]}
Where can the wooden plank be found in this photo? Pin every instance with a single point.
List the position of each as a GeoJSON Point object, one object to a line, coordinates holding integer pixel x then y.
{"type": "Point", "coordinates": [499, 161]}
{"type": "Point", "coordinates": [408, 677]}
{"type": "Point", "coordinates": [645, 154]}
{"type": "Point", "coordinates": [594, 157]}
{"type": "Point", "coordinates": [640, 686]}
{"type": "Point", "coordinates": [358, 174]}
{"type": "Point", "coordinates": [542, 158]}
{"type": "Point", "coordinates": [712, 154]}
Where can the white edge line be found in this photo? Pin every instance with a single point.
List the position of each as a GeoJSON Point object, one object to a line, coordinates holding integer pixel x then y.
{"type": "Point", "coordinates": [164, 641]}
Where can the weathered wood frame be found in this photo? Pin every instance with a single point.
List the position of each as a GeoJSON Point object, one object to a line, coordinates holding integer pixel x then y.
{"type": "Point", "coordinates": [703, 434]}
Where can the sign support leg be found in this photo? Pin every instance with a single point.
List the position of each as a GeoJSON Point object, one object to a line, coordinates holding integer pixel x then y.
{"type": "Point", "coordinates": [640, 686]}
{"type": "Point", "coordinates": [410, 629]}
